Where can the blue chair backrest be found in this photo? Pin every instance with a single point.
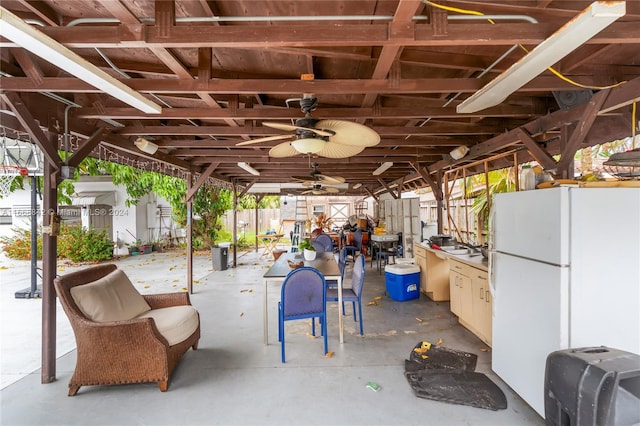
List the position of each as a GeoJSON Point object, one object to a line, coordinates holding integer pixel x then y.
{"type": "Point", "coordinates": [357, 278]}
{"type": "Point", "coordinates": [342, 260]}
{"type": "Point", "coordinates": [326, 242]}
{"type": "Point", "coordinates": [303, 292]}
{"type": "Point", "coordinates": [357, 240]}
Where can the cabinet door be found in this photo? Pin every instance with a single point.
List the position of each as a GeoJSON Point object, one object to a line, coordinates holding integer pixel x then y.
{"type": "Point", "coordinates": [454, 290]}
{"type": "Point", "coordinates": [466, 299]}
{"type": "Point", "coordinates": [481, 304]}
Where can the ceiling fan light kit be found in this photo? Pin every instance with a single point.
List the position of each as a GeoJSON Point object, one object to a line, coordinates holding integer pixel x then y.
{"type": "Point", "coordinates": [248, 168]}
{"type": "Point", "coordinates": [584, 26]}
{"type": "Point", "coordinates": [308, 145]}
{"type": "Point", "coordinates": [325, 138]}
{"type": "Point", "coordinates": [383, 168]}
{"type": "Point", "coordinates": [145, 145]}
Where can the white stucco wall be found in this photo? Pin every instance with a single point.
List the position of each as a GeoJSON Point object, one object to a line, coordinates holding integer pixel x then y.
{"type": "Point", "coordinates": [129, 223]}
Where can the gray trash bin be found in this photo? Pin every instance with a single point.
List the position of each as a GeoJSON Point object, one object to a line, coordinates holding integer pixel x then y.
{"type": "Point", "coordinates": [220, 258]}
{"type": "Point", "coordinates": [592, 386]}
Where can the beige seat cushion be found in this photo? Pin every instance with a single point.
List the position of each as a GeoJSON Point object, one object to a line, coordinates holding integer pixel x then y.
{"type": "Point", "coordinates": [111, 298]}
{"type": "Point", "coordinates": [175, 323]}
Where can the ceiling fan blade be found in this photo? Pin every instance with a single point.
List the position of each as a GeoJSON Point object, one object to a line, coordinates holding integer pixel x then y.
{"type": "Point", "coordinates": [265, 139]}
{"type": "Point", "coordinates": [283, 150]}
{"type": "Point", "coordinates": [291, 128]}
{"type": "Point", "coordinates": [308, 191]}
{"type": "Point", "coordinates": [331, 180]}
{"type": "Point", "coordinates": [331, 190]}
{"type": "Point", "coordinates": [349, 133]}
{"type": "Point", "coordinates": [336, 150]}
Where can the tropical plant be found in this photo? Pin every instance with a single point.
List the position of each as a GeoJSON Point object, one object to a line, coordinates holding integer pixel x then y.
{"type": "Point", "coordinates": [502, 180]}
{"type": "Point", "coordinates": [306, 245]}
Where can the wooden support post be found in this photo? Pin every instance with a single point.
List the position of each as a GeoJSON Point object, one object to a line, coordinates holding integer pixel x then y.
{"type": "Point", "coordinates": [189, 235]}
{"type": "Point", "coordinates": [49, 269]}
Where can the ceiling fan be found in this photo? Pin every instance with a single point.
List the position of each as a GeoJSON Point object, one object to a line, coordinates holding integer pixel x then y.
{"type": "Point", "coordinates": [315, 177]}
{"type": "Point", "coordinates": [326, 138]}
{"type": "Point", "coordinates": [319, 189]}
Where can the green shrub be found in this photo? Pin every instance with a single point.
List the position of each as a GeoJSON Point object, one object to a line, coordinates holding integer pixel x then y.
{"type": "Point", "coordinates": [74, 243]}
{"type": "Point", "coordinates": [18, 246]}
{"type": "Point", "coordinates": [80, 245]}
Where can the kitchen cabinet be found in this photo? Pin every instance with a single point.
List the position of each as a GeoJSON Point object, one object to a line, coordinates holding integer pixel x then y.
{"type": "Point", "coordinates": [471, 298]}
{"type": "Point", "coordinates": [460, 285]}
{"type": "Point", "coordinates": [434, 273]}
{"type": "Point", "coordinates": [481, 305]}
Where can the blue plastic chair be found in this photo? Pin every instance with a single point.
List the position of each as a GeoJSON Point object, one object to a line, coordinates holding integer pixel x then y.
{"type": "Point", "coordinates": [353, 294]}
{"type": "Point", "coordinates": [342, 264]}
{"type": "Point", "coordinates": [325, 242]}
{"type": "Point", "coordinates": [303, 295]}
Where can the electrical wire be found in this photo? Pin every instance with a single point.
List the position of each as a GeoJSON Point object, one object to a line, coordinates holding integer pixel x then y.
{"type": "Point", "coordinates": [551, 69]}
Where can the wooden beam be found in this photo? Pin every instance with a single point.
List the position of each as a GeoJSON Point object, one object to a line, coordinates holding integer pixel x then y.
{"type": "Point", "coordinates": [191, 192]}
{"type": "Point", "coordinates": [538, 152]}
{"type": "Point", "coordinates": [33, 128]}
{"type": "Point", "coordinates": [371, 194]}
{"type": "Point", "coordinates": [323, 34]}
{"type": "Point", "coordinates": [87, 146]}
{"type": "Point", "coordinates": [584, 126]}
{"type": "Point", "coordinates": [389, 190]}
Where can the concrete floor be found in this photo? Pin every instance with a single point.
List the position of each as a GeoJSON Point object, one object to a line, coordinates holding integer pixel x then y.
{"type": "Point", "coordinates": [233, 378]}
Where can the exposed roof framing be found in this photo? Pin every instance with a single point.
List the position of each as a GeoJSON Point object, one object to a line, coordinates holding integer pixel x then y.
{"type": "Point", "coordinates": [219, 69]}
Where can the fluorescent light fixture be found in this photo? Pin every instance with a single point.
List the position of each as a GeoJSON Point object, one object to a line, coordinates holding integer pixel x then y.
{"type": "Point", "coordinates": [146, 146]}
{"type": "Point", "coordinates": [248, 168]}
{"type": "Point", "coordinates": [383, 168]}
{"type": "Point", "coordinates": [40, 44]}
{"type": "Point", "coordinates": [357, 185]}
{"type": "Point", "coordinates": [569, 37]}
{"type": "Point", "coordinates": [308, 145]}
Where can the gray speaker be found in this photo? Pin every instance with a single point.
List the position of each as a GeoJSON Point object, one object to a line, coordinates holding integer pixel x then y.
{"type": "Point", "coordinates": [568, 99]}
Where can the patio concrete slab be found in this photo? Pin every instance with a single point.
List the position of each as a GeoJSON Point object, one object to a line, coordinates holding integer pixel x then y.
{"type": "Point", "coordinates": [233, 378]}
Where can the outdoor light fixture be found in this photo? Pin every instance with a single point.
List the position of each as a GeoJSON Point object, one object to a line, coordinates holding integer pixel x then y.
{"type": "Point", "coordinates": [459, 152]}
{"type": "Point", "coordinates": [146, 146]}
{"type": "Point", "coordinates": [308, 145]}
{"type": "Point", "coordinates": [383, 168]}
{"type": "Point", "coordinates": [38, 43]}
{"type": "Point", "coordinates": [249, 169]}
{"type": "Point", "coordinates": [576, 32]}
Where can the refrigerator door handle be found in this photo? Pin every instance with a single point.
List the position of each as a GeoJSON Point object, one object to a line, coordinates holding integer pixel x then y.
{"type": "Point", "coordinates": [492, 287]}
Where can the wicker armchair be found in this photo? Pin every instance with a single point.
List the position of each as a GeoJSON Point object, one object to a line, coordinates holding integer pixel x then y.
{"type": "Point", "coordinates": [119, 352]}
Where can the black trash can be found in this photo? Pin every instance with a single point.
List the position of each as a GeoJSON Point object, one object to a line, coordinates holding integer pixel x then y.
{"type": "Point", "coordinates": [592, 386]}
{"type": "Point", "coordinates": [220, 258]}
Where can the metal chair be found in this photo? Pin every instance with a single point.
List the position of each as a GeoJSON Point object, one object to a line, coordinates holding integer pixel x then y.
{"type": "Point", "coordinates": [325, 241]}
{"type": "Point", "coordinates": [303, 295]}
{"type": "Point", "coordinates": [353, 294]}
{"type": "Point", "coordinates": [356, 247]}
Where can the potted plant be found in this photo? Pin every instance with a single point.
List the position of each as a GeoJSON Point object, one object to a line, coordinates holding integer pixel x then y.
{"type": "Point", "coordinates": [307, 249]}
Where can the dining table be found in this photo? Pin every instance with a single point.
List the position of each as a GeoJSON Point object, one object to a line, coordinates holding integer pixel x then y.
{"type": "Point", "coordinates": [325, 263]}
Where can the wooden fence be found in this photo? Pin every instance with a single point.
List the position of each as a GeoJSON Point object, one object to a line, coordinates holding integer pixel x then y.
{"type": "Point", "coordinates": [267, 219]}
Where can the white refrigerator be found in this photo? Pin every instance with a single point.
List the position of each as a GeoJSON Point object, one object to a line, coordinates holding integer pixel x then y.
{"type": "Point", "coordinates": [564, 271]}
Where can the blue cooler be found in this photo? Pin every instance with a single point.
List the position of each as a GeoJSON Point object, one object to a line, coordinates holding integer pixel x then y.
{"type": "Point", "coordinates": [403, 281]}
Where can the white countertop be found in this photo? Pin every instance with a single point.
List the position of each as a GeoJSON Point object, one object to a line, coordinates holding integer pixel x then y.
{"type": "Point", "coordinates": [477, 261]}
